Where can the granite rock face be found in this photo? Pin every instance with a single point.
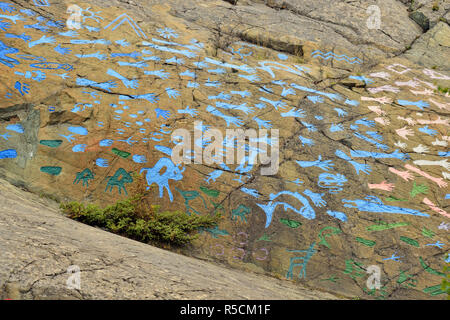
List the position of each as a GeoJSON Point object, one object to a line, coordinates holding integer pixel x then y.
{"type": "Point", "coordinates": [92, 93]}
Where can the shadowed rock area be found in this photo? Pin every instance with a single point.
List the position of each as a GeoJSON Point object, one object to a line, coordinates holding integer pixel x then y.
{"type": "Point", "coordinates": [93, 93]}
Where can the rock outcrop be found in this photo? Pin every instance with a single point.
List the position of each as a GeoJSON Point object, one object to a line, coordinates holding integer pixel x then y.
{"type": "Point", "coordinates": [93, 92]}
{"type": "Point", "coordinates": [40, 250]}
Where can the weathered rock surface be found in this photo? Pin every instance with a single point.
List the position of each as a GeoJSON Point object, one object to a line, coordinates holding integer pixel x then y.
{"type": "Point", "coordinates": [428, 48]}
{"type": "Point", "coordinates": [300, 27]}
{"type": "Point", "coordinates": [363, 127]}
{"type": "Point", "coordinates": [421, 20]}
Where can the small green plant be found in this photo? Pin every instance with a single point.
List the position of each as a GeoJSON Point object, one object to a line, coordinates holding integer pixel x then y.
{"type": "Point", "coordinates": [443, 90]}
{"type": "Point", "coordinates": [137, 219]}
{"type": "Point", "coordinates": [167, 227]}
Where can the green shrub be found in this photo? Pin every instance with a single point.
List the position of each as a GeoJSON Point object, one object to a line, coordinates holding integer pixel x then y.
{"type": "Point", "coordinates": [137, 219]}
